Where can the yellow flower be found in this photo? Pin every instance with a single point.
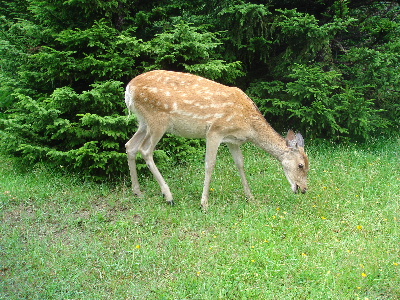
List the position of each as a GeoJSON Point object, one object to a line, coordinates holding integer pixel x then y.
{"type": "Point", "coordinates": [323, 218]}
{"type": "Point", "coordinates": [364, 274]}
{"type": "Point", "coordinates": [359, 227]}
{"type": "Point", "coordinates": [396, 264]}
{"type": "Point", "coordinates": [304, 254]}
{"type": "Point", "coordinates": [137, 246]}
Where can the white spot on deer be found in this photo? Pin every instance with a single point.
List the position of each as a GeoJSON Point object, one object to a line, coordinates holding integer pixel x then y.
{"type": "Point", "coordinates": [230, 118]}
{"type": "Point", "coordinates": [201, 106]}
{"type": "Point", "coordinates": [216, 105]}
{"type": "Point", "coordinates": [153, 90]}
{"type": "Point", "coordinates": [190, 102]}
{"type": "Point", "coordinates": [202, 117]}
{"type": "Point", "coordinates": [185, 113]}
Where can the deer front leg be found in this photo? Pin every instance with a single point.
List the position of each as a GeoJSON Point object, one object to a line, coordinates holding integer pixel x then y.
{"type": "Point", "coordinates": [239, 161]}
{"type": "Point", "coordinates": [212, 145]}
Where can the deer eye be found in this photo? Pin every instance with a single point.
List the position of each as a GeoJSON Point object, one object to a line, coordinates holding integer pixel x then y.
{"type": "Point", "coordinates": [301, 166]}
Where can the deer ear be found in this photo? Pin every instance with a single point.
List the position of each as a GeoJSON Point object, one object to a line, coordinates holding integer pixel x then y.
{"type": "Point", "coordinates": [300, 140]}
{"type": "Point", "coordinates": [291, 140]}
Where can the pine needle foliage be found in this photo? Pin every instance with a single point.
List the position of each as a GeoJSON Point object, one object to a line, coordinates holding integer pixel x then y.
{"type": "Point", "coordinates": [329, 69]}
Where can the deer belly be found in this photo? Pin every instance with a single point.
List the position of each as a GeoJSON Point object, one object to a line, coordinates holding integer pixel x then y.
{"type": "Point", "coordinates": [188, 128]}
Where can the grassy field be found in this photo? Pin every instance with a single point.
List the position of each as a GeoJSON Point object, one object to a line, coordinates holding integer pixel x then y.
{"type": "Point", "coordinates": [62, 238]}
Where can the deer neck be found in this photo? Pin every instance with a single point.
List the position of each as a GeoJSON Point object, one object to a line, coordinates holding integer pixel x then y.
{"type": "Point", "coordinates": [269, 140]}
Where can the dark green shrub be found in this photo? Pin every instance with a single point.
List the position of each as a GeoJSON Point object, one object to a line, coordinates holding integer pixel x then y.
{"type": "Point", "coordinates": [321, 103]}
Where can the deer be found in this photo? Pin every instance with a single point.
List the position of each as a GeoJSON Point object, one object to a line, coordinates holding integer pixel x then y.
{"type": "Point", "coordinates": [191, 106]}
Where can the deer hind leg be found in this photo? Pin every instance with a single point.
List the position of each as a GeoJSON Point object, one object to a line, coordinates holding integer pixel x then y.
{"type": "Point", "coordinates": [147, 149]}
{"type": "Point", "coordinates": [239, 161]}
{"type": "Point", "coordinates": [132, 148]}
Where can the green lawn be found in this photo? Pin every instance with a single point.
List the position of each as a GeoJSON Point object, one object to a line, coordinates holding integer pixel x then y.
{"type": "Point", "coordinates": [62, 238]}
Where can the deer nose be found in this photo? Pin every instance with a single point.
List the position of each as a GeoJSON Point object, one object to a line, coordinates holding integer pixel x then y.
{"type": "Point", "coordinates": [299, 189]}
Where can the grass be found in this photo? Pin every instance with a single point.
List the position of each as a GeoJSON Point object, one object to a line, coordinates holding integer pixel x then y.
{"type": "Point", "coordinates": [63, 238]}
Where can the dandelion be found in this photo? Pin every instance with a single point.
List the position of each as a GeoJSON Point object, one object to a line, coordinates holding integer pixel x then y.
{"type": "Point", "coordinates": [364, 274]}
{"type": "Point", "coordinates": [359, 227]}
{"type": "Point", "coordinates": [323, 218]}
{"type": "Point", "coordinates": [137, 246]}
{"type": "Point", "coordinates": [304, 254]}
{"type": "Point", "coordinates": [395, 263]}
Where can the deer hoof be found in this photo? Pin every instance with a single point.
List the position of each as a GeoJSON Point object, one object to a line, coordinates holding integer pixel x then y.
{"type": "Point", "coordinates": [204, 208]}
{"type": "Point", "coordinates": [138, 194]}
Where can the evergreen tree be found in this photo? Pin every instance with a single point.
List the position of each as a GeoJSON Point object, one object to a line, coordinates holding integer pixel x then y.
{"type": "Point", "coordinates": [329, 68]}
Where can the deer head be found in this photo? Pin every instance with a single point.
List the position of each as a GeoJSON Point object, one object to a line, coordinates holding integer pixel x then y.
{"type": "Point", "coordinates": [295, 162]}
